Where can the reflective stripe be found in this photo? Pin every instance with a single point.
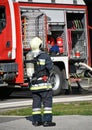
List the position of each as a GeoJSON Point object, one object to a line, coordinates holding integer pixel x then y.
{"type": "Point", "coordinates": [36, 112]}
{"type": "Point", "coordinates": [42, 61]}
{"type": "Point", "coordinates": [40, 87]}
{"type": "Point", "coordinates": [47, 112]}
{"type": "Point", "coordinates": [48, 109]}
{"type": "Point", "coordinates": [36, 109]}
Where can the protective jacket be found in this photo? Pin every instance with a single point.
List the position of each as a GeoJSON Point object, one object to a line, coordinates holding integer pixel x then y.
{"type": "Point", "coordinates": [43, 66]}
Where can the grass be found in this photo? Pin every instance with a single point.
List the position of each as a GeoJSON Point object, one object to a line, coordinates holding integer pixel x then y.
{"type": "Point", "coordinates": [79, 108]}
{"type": "Point", "coordinates": [76, 108]}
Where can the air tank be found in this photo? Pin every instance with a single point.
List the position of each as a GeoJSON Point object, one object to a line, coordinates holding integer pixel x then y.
{"type": "Point", "coordinates": [30, 65]}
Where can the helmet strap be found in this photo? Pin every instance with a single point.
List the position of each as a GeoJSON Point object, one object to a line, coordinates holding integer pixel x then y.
{"type": "Point", "coordinates": [41, 47]}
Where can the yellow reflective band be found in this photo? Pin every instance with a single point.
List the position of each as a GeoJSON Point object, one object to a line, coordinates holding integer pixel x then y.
{"type": "Point", "coordinates": [42, 63]}
{"type": "Point", "coordinates": [46, 112]}
{"type": "Point", "coordinates": [40, 87]}
{"type": "Point", "coordinates": [36, 112]}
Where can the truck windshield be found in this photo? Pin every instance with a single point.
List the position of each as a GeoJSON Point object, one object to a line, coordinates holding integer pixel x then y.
{"type": "Point", "coordinates": [2, 18]}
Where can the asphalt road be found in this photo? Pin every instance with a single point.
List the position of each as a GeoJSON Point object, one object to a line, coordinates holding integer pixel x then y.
{"type": "Point", "coordinates": [75, 122]}
{"type": "Point", "coordinates": [69, 122]}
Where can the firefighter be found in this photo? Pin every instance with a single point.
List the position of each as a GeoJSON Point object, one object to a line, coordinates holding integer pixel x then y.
{"type": "Point", "coordinates": [40, 85]}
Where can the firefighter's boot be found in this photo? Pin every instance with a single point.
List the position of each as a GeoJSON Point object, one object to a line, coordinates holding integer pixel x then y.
{"type": "Point", "coordinates": [37, 123]}
{"type": "Point", "coordinates": [47, 124]}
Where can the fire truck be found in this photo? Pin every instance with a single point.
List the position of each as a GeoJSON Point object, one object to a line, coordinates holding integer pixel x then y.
{"type": "Point", "coordinates": [64, 25]}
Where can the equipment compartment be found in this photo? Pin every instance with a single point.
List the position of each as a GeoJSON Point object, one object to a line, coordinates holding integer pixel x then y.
{"type": "Point", "coordinates": [77, 37]}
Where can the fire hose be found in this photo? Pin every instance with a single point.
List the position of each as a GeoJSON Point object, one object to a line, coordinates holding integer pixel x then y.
{"type": "Point", "coordinates": [85, 65]}
{"type": "Point", "coordinates": [89, 69]}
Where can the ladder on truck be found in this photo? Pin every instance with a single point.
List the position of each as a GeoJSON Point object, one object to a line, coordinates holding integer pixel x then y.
{"type": "Point", "coordinates": [33, 24]}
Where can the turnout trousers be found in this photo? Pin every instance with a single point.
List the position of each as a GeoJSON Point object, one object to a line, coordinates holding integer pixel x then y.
{"type": "Point", "coordinates": [42, 106]}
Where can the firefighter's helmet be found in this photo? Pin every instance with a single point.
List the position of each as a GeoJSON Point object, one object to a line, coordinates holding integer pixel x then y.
{"type": "Point", "coordinates": [36, 44]}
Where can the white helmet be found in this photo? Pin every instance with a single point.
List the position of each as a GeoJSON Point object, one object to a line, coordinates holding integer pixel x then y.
{"type": "Point", "coordinates": [35, 43]}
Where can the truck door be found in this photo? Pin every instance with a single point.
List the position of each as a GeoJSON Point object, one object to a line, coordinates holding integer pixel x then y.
{"type": "Point", "coordinates": [6, 36]}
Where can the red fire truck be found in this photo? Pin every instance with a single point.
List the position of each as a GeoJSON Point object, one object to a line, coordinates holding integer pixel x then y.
{"type": "Point", "coordinates": [64, 25]}
{"type": "Point", "coordinates": [89, 9]}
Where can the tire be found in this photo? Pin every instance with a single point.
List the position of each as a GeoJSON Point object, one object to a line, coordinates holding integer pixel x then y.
{"type": "Point", "coordinates": [5, 92]}
{"type": "Point", "coordinates": [57, 81]}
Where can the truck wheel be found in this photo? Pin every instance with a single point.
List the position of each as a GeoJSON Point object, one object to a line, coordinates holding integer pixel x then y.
{"type": "Point", "coordinates": [5, 92]}
{"type": "Point", "coordinates": [57, 81]}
